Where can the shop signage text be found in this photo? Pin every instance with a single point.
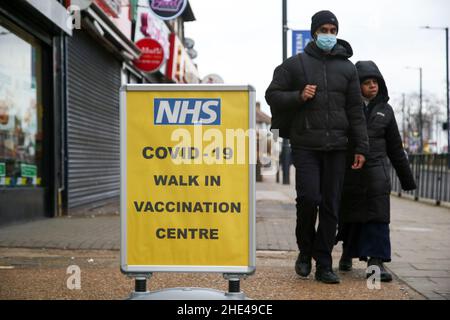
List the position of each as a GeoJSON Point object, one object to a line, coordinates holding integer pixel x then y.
{"type": "Point", "coordinates": [168, 9]}
{"type": "Point", "coordinates": [152, 27]}
{"type": "Point", "coordinates": [180, 67]}
{"type": "Point", "coordinates": [179, 215]}
{"type": "Point", "coordinates": [152, 57]}
{"type": "Point", "coordinates": [110, 7]}
{"type": "Point", "coordinates": [28, 171]}
{"type": "Point", "coordinates": [2, 170]}
{"type": "Point", "coordinates": [187, 111]}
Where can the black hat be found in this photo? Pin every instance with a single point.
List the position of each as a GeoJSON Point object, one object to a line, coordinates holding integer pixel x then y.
{"type": "Point", "coordinates": [323, 17]}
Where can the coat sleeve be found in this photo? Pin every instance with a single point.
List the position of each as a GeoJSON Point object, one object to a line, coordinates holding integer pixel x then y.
{"type": "Point", "coordinates": [355, 116]}
{"type": "Point", "coordinates": [398, 156]}
{"type": "Point", "coordinates": [279, 94]}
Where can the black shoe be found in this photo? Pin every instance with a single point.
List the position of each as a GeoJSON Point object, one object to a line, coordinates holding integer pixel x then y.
{"type": "Point", "coordinates": [385, 276]}
{"type": "Point", "coordinates": [326, 275]}
{"type": "Point", "coordinates": [345, 264]}
{"type": "Point", "coordinates": [303, 265]}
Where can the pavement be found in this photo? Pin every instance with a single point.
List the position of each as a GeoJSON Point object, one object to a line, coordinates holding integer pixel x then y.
{"type": "Point", "coordinates": [420, 255]}
{"type": "Point", "coordinates": [44, 273]}
{"type": "Point", "coordinates": [420, 237]}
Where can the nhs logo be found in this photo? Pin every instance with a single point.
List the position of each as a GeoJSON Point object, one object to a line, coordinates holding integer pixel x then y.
{"type": "Point", "coordinates": [186, 111]}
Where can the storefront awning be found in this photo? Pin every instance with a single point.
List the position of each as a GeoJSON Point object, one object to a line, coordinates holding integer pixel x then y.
{"type": "Point", "coordinates": [113, 34]}
{"type": "Point", "coordinates": [54, 11]}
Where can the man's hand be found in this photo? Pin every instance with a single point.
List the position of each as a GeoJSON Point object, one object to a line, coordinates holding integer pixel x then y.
{"type": "Point", "coordinates": [359, 162]}
{"type": "Point", "coordinates": [308, 92]}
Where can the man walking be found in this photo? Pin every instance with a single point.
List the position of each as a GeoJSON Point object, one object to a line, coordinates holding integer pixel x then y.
{"type": "Point", "coordinates": [321, 90]}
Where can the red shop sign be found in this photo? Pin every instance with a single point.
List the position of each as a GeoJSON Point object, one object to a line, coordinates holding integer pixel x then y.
{"type": "Point", "coordinates": [152, 57]}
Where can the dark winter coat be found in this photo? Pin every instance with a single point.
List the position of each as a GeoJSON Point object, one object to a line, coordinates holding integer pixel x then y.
{"type": "Point", "coordinates": [366, 192]}
{"type": "Point", "coordinates": [327, 121]}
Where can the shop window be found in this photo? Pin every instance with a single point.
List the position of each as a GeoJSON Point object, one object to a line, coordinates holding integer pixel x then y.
{"type": "Point", "coordinates": [21, 110]}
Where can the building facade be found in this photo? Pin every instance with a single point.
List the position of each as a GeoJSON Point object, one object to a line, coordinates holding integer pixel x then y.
{"type": "Point", "coordinates": [31, 97]}
{"type": "Point", "coordinates": [59, 99]}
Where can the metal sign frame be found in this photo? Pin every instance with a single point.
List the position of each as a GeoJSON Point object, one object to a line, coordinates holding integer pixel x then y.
{"type": "Point", "coordinates": [146, 269]}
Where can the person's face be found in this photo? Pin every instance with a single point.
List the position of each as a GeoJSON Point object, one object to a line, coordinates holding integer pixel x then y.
{"type": "Point", "coordinates": [327, 29]}
{"type": "Point", "coordinates": [369, 88]}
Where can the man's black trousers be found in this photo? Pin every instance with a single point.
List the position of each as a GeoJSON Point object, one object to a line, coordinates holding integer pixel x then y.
{"type": "Point", "coordinates": [319, 181]}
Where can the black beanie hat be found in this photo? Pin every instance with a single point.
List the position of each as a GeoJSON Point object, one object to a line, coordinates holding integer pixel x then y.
{"type": "Point", "coordinates": [323, 17]}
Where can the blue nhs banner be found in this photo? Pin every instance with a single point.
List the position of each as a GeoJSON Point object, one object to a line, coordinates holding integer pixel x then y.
{"type": "Point", "coordinates": [180, 111]}
{"type": "Point", "coordinates": [300, 39]}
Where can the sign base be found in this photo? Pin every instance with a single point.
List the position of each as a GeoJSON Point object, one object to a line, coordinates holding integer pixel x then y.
{"type": "Point", "coordinates": [187, 294]}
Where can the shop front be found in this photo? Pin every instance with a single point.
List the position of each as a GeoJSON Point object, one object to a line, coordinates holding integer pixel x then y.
{"type": "Point", "coordinates": [98, 58]}
{"type": "Point", "coordinates": [30, 103]}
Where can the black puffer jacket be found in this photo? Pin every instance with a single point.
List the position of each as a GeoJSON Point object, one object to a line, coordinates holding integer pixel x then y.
{"type": "Point", "coordinates": [327, 121]}
{"type": "Point", "coordinates": [366, 192]}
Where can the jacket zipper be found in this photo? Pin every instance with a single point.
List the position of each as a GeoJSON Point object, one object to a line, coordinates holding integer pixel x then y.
{"type": "Point", "coordinates": [327, 98]}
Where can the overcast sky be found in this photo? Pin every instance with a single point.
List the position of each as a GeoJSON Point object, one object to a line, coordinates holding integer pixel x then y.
{"type": "Point", "coordinates": [241, 39]}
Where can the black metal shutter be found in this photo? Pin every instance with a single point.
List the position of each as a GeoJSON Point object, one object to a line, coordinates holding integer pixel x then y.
{"type": "Point", "coordinates": [93, 133]}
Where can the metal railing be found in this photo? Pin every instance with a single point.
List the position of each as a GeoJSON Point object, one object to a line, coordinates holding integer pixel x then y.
{"type": "Point", "coordinates": [432, 175]}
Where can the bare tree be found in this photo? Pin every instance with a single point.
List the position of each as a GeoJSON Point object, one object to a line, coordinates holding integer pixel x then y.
{"type": "Point", "coordinates": [408, 117]}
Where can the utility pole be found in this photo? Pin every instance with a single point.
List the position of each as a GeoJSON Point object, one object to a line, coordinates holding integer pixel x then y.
{"type": "Point", "coordinates": [420, 115]}
{"type": "Point", "coordinates": [285, 29]}
{"type": "Point", "coordinates": [447, 87]}
{"type": "Point", "coordinates": [403, 120]}
{"type": "Point", "coordinates": [285, 156]}
{"type": "Point", "coordinates": [409, 127]}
